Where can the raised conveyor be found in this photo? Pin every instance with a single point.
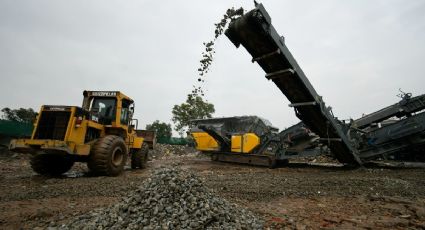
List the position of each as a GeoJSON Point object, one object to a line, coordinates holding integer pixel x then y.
{"type": "Point", "coordinates": [256, 33]}
{"type": "Point", "coordinates": [405, 107]}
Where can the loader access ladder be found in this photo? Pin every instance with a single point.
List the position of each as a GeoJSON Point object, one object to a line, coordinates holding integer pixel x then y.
{"type": "Point", "coordinates": [256, 33]}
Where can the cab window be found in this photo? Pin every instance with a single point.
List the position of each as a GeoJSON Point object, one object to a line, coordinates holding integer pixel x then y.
{"type": "Point", "coordinates": [103, 110]}
{"type": "Point", "coordinates": [125, 112]}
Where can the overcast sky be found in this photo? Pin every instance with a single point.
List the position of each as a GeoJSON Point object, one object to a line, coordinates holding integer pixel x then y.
{"type": "Point", "coordinates": [356, 54]}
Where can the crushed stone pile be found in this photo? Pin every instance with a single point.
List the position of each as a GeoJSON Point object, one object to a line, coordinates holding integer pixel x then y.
{"type": "Point", "coordinates": [328, 159]}
{"type": "Point", "coordinates": [7, 154]}
{"type": "Point", "coordinates": [171, 199]}
{"type": "Point", "coordinates": [172, 149]}
{"type": "Point", "coordinates": [163, 151]}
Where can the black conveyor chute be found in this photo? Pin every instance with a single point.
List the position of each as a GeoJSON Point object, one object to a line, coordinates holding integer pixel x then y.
{"type": "Point", "coordinates": [224, 142]}
{"type": "Point", "coordinates": [405, 107]}
{"type": "Point", "coordinates": [256, 33]}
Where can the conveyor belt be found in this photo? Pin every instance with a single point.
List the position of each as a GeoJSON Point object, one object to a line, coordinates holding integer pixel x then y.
{"type": "Point", "coordinates": [256, 33]}
{"type": "Point", "coordinates": [405, 107]}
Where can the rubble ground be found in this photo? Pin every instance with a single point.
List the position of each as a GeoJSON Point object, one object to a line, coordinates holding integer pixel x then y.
{"type": "Point", "coordinates": [294, 197]}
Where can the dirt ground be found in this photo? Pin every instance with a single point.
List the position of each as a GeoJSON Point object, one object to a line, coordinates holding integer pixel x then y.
{"type": "Point", "coordinates": [294, 197]}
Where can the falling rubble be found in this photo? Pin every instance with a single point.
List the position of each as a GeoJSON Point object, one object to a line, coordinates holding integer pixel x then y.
{"type": "Point", "coordinates": [209, 51]}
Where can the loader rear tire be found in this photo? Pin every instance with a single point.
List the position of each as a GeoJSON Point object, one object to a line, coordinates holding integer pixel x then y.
{"type": "Point", "coordinates": [51, 164]}
{"type": "Point", "coordinates": [108, 156]}
{"type": "Point", "coordinates": [140, 157]}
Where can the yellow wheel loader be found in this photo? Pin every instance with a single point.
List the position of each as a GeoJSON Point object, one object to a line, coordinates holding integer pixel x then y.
{"type": "Point", "coordinates": [102, 133]}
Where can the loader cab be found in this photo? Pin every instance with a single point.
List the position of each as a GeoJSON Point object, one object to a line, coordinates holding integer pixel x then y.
{"type": "Point", "coordinates": [103, 110]}
{"type": "Point", "coordinates": [108, 107]}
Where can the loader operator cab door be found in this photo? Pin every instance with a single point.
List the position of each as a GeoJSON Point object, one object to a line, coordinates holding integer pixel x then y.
{"type": "Point", "coordinates": [103, 110]}
{"type": "Point", "coordinates": [127, 109]}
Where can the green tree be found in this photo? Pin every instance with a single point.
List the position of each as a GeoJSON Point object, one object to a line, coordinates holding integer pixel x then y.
{"type": "Point", "coordinates": [194, 108]}
{"type": "Point", "coordinates": [20, 115]}
{"type": "Point", "coordinates": [162, 129]}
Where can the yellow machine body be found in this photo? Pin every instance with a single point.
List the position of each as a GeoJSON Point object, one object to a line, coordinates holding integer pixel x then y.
{"type": "Point", "coordinates": [204, 142]}
{"type": "Point", "coordinates": [75, 130]}
{"type": "Point", "coordinates": [238, 139]}
{"type": "Point", "coordinates": [240, 143]}
{"type": "Point", "coordinates": [244, 143]}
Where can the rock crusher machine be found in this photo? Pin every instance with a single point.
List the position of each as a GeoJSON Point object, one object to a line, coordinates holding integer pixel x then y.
{"type": "Point", "coordinates": [252, 140]}
{"type": "Point", "coordinates": [396, 132]}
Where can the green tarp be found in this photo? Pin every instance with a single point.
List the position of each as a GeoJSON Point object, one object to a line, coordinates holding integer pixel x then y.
{"type": "Point", "coordinates": [18, 129]}
{"type": "Point", "coordinates": [15, 129]}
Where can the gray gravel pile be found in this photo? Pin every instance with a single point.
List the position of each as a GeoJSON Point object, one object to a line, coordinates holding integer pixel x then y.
{"type": "Point", "coordinates": [172, 149]}
{"type": "Point", "coordinates": [170, 199]}
{"type": "Point", "coordinates": [164, 151]}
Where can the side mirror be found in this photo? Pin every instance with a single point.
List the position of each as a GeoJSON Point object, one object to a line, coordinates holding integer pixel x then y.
{"type": "Point", "coordinates": [134, 123]}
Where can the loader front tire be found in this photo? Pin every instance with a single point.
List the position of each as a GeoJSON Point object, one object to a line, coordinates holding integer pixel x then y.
{"type": "Point", "coordinates": [108, 156]}
{"type": "Point", "coordinates": [50, 164]}
{"type": "Point", "coordinates": [140, 157]}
